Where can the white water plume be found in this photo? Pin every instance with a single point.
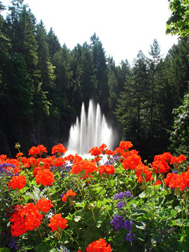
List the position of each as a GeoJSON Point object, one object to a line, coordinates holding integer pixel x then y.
{"type": "Point", "coordinates": [90, 131]}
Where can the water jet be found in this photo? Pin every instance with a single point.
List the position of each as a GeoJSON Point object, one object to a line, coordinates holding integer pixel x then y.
{"type": "Point", "coordinates": [90, 130]}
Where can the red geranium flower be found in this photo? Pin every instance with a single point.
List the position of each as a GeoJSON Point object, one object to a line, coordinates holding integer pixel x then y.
{"type": "Point", "coordinates": [40, 149]}
{"type": "Point", "coordinates": [57, 222]}
{"type": "Point", "coordinates": [59, 148]}
{"type": "Point", "coordinates": [99, 246]}
{"type": "Point", "coordinates": [125, 145]}
{"type": "Point", "coordinates": [131, 161]}
{"type": "Point", "coordinates": [108, 169]}
{"type": "Point", "coordinates": [179, 159]}
{"type": "Point", "coordinates": [44, 205]}
{"type": "Point", "coordinates": [95, 151]}
{"type": "Point", "coordinates": [70, 193]}
{"type": "Point", "coordinates": [24, 219]}
{"type": "Point", "coordinates": [17, 182]}
{"type": "Point", "coordinates": [158, 182]}
{"type": "Point", "coordinates": [44, 177]}
{"type": "Point", "coordinates": [59, 162]}
{"type": "Point", "coordinates": [83, 165]}
{"type": "Point", "coordinates": [142, 171]}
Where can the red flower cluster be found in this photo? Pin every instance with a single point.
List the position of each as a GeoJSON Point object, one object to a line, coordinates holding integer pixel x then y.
{"type": "Point", "coordinates": [83, 167]}
{"type": "Point", "coordinates": [44, 205]}
{"type": "Point", "coordinates": [125, 145]}
{"type": "Point", "coordinates": [70, 193]}
{"type": "Point", "coordinates": [17, 182]}
{"type": "Point", "coordinates": [59, 149]}
{"type": "Point", "coordinates": [180, 181]}
{"type": "Point", "coordinates": [178, 160]}
{"type": "Point", "coordinates": [131, 160]}
{"type": "Point", "coordinates": [3, 157]}
{"type": "Point", "coordinates": [25, 219]}
{"type": "Point", "coordinates": [44, 177]}
{"type": "Point", "coordinates": [123, 148]}
{"type": "Point", "coordinates": [19, 154]}
{"type": "Point", "coordinates": [59, 162]}
{"type": "Point", "coordinates": [99, 246]}
{"type": "Point", "coordinates": [142, 171]}
{"type": "Point", "coordinates": [158, 182]}
{"type": "Point", "coordinates": [40, 149]}
{"type": "Point", "coordinates": [108, 169]}
{"type": "Point", "coordinates": [95, 151]}
{"type": "Point", "coordinates": [57, 222]}
{"type": "Point", "coordinates": [161, 162]}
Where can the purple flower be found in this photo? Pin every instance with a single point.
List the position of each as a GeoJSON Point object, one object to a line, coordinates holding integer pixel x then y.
{"type": "Point", "coordinates": [120, 204]}
{"type": "Point", "coordinates": [128, 194]}
{"type": "Point", "coordinates": [3, 170]}
{"type": "Point", "coordinates": [128, 224]}
{"type": "Point", "coordinates": [117, 222]}
{"type": "Point", "coordinates": [120, 195]}
{"type": "Point", "coordinates": [6, 165]}
{"type": "Point", "coordinates": [13, 244]}
{"type": "Point", "coordinates": [111, 160]}
{"type": "Point", "coordinates": [68, 167]}
{"type": "Point", "coordinates": [130, 237]}
{"type": "Point", "coordinates": [175, 172]}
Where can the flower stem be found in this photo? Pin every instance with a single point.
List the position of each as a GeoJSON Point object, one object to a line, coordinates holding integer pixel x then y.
{"type": "Point", "coordinates": [71, 237]}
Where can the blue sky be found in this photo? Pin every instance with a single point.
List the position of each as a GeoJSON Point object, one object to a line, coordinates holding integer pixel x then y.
{"type": "Point", "coordinates": [123, 26]}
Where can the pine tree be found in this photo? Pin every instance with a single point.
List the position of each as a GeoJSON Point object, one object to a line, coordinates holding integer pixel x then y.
{"type": "Point", "coordinates": [100, 66]}
{"type": "Point", "coordinates": [85, 84]}
{"type": "Point", "coordinates": [153, 63]}
{"type": "Point", "coordinates": [132, 109]}
{"type": "Point", "coordinates": [62, 92]}
{"type": "Point", "coordinates": [44, 65]}
{"type": "Point", "coordinates": [53, 42]}
{"type": "Point", "coordinates": [112, 84]}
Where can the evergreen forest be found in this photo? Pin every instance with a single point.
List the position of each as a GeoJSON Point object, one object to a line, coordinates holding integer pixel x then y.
{"type": "Point", "coordinates": [43, 84]}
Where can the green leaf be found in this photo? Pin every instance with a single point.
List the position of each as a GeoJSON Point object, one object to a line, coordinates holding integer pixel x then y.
{"type": "Point", "coordinates": [81, 204]}
{"type": "Point", "coordinates": [142, 195]}
{"type": "Point", "coordinates": [140, 225]}
{"type": "Point", "coordinates": [5, 249]}
{"type": "Point", "coordinates": [46, 246]}
{"type": "Point", "coordinates": [177, 222]}
{"type": "Point", "coordinates": [173, 212]}
{"type": "Point", "coordinates": [101, 203]}
{"type": "Point", "coordinates": [120, 169]}
{"type": "Point", "coordinates": [77, 218]}
{"type": "Point", "coordinates": [112, 182]}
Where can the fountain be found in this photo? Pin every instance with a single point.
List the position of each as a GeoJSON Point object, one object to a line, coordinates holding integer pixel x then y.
{"type": "Point", "coordinates": [89, 131]}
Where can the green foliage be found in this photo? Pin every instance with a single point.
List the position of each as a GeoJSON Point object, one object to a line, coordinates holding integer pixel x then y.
{"type": "Point", "coordinates": [152, 89]}
{"type": "Point", "coordinates": [178, 23]}
{"type": "Point", "coordinates": [100, 69]}
{"type": "Point", "coordinates": [133, 105]}
{"type": "Point", "coordinates": [180, 134]}
{"type": "Point", "coordinates": [54, 45]}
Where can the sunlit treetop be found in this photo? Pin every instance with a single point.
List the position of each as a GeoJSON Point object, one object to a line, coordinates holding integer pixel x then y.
{"type": "Point", "coordinates": [178, 23]}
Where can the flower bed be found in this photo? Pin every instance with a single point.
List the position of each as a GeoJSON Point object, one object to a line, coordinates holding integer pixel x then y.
{"type": "Point", "coordinates": [66, 203]}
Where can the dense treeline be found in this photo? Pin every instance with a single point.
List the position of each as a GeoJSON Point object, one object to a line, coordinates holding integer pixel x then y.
{"type": "Point", "coordinates": [43, 83]}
